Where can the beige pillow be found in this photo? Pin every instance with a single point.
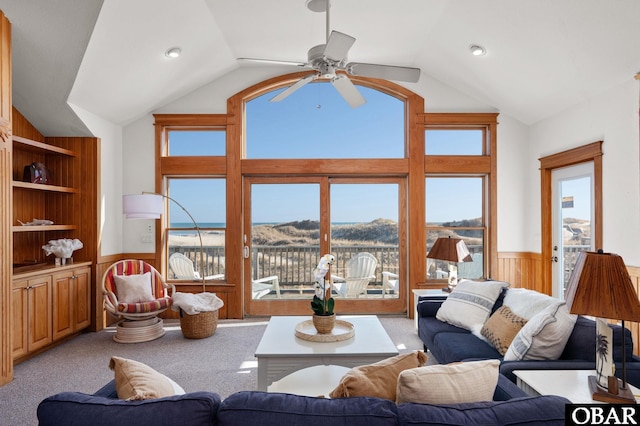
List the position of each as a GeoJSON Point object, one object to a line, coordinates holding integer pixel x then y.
{"type": "Point", "coordinates": [501, 327]}
{"type": "Point", "coordinates": [135, 381]}
{"type": "Point", "coordinates": [379, 379]}
{"type": "Point", "coordinates": [473, 381]}
{"type": "Point", "coordinates": [134, 288]}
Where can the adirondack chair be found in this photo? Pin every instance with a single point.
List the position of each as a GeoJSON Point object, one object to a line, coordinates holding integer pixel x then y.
{"type": "Point", "coordinates": [361, 269]}
{"type": "Point", "coordinates": [182, 268]}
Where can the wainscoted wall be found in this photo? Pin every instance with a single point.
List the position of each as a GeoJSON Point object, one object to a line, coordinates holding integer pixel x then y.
{"type": "Point", "coordinates": [524, 270]}
{"type": "Point", "coordinates": [521, 270]}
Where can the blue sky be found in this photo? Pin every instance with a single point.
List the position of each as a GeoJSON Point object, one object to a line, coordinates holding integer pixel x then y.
{"type": "Point", "coordinates": [315, 122]}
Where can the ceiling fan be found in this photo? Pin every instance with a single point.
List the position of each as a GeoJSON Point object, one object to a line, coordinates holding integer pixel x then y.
{"type": "Point", "coordinates": [330, 57]}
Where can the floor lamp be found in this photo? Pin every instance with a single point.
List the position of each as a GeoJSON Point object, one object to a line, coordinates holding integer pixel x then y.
{"type": "Point", "coordinates": [450, 250]}
{"type": "Point", "coordinates": [600, 286]}
{"type": "Point", "coordinates": [148, 205]}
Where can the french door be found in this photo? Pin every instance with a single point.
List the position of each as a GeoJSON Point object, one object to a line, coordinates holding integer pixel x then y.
{"type": "Point", "coordinates": [289, 223]}
{"type": "Point", "coordinates": [573, 219]}
{"type": "Point", "coordinates": [571, 190]}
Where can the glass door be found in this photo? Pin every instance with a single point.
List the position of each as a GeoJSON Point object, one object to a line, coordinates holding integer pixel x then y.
{"type": "Point", "coordinates": [291, 222]}
{"type": "Point", "coordinates": [572, 220]}
{"type": "Point", "coordinates": [364, 239]}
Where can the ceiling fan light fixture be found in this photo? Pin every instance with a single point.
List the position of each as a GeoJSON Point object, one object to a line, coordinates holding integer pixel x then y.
{"type": "Point", "coordinates": [173, 53]}
{"type": "Point", "coordinates": [477, 50]}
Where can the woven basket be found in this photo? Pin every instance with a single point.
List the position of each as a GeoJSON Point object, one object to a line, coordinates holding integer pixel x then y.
{"type": "Point", "coordinates": [200, 325]}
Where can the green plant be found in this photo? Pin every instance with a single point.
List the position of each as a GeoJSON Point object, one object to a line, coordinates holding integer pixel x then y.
{"type": "Point", "coordinates": [323, 303]}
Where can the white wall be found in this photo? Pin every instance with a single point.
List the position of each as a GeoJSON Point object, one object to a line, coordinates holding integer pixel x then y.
{"type": "Point", "coordinates": [613, 118]}
{"type": "Point", "coordinates": [138, 158]}
{"type": "Point", "coordinates": [212, 98]}
{"type": "Point", "coordinates": [111, 171]}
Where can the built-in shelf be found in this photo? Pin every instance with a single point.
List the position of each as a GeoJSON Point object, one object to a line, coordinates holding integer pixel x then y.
{"type": "Point", "coordinates": [41, 228]}
{"type": "Point", "coordinates": [40, 147]}
{"type": "Point", "coordinates": [42, 187]}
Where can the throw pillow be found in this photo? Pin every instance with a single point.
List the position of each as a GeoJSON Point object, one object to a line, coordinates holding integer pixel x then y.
{"type": "Point", "coordinates": [379, 379]}
{"type": "Point", "coordinates": [469, 304]}
{"type": "Point", "coordinates": [527, 303]}
{"type": "Point", "coordinates": [134, 288]}
{"type": "Point", "coordinates": [473, 381]}
{"type": "Point", "coordinates": [136, 381]}
{"type": "Point", "coordinates": [544, 336]}
{"type": "Point", "coordinates": [501, 328]}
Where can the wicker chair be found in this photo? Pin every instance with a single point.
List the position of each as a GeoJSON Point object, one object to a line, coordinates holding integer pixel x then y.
{"type": "Point", "coordinates": [136, 298]}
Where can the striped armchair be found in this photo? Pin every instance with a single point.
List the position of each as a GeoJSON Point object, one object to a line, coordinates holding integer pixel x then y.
{"type": "Point", "coordinates": [131, 294]}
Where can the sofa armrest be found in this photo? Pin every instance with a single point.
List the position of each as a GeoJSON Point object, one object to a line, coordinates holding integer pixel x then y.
{"type": "Point", "coordinates": [508, 367]}
{"type": "Point", "coordinates": [506, 390]}
{"type": "Point", "coordinates": [108, 391]}
{"type": "Point", "coordinates": [428, 307]}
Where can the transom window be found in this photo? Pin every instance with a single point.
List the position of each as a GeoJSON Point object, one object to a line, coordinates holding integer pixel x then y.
{"type": "Point", "coordinates": [315, 122]}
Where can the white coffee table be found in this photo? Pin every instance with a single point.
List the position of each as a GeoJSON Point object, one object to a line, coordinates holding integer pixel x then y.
{"type": "Point", "coordinates": [281, 353]}
{"type": "Point", "coordinates": [571, 384]}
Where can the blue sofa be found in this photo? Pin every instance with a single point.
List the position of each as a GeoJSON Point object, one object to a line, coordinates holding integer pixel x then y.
{"type": "Point", "coordinates": [448, 343]}
{"type": "Point", "coordinates": [511, 406]}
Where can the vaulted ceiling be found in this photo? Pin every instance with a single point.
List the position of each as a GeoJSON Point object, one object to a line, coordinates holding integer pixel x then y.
{"type": "Point", "coordinates": [107, 58]}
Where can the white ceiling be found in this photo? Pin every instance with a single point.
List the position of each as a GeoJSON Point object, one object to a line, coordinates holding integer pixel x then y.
{"type": "Point", "coordinates": [543, 56]}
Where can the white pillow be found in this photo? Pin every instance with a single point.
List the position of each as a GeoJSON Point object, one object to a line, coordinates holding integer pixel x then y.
{"type": "Point", "coordinates": [134, 288]}
{"type": "Point", "coordinates": [544, 336]}
{"type": "Point", "coordinates": [527, 303]}
{"type": "Point", "coordinates": [469, 304]}
{"type": "Point", "coordinates": [473, 381]}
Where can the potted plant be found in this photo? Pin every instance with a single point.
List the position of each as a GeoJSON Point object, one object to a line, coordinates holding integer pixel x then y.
{"type": "Point", "coordinates": [322, 304]}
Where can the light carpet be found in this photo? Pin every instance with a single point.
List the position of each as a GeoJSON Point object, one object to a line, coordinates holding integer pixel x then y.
{"type": "Point", "coordinates": [223, 363]}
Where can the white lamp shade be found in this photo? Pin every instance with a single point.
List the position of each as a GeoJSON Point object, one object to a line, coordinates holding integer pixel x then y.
{"type": "Point", "coordinates": [142, 206]}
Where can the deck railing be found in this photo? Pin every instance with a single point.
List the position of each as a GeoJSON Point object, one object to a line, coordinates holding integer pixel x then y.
{"type": "Point", "coordinates": [294, 264]}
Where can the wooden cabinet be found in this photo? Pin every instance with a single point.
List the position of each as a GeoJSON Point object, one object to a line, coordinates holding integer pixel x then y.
{"type": "Point", "coordinates": [31, 302]}
{"type": "Point", "coordinates": [71, 301]}
{"type": "Point", "coordinates": [49, 305]}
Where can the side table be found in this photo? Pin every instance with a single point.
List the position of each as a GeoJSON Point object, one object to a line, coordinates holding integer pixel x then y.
{"type": "Point", "coordinates": [571, 384]}
{"type": "Point", "coordinates": [431, 292]}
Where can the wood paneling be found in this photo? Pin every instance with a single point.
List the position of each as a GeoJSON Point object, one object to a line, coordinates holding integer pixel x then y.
{"type": "Point", "coordinates": [521, 270]}
{"type": "Point", "coordinates": [6, 248]}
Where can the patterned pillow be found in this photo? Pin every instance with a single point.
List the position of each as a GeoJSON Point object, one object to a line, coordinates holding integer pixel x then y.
{"type": "Point", "coordinates": [470, 304]}
{"type": "Point", "coordinates": [501, 328]}
{"type": "Point", "coordinates": [544, 336]}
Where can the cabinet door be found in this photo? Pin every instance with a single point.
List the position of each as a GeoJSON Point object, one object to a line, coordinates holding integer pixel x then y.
{"type": "Point", "coordinates": [63, 320]}
{"type": "Point", "coordinates": [20, 315]}
{"type": "Point", "coordinates": [39, 300]}
{"type": "Point", "coordinates": [82, 302]}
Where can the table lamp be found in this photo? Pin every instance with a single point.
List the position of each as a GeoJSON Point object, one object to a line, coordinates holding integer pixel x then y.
{"type": "Point", "coordinates": [450, 250]}
{"type": "Point", "coordinates": [148, 205]}
{"type": "Point", "coordinates": [600, 286]}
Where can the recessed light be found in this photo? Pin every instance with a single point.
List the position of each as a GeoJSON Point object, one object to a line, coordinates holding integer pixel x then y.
{"type": "Point", "coordinates": [477, 50]}
{"type": "Point", "coordinates": [174, 52]}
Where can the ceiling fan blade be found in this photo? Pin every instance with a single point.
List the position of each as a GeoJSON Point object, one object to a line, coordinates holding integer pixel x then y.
{"type": "Point", "coordinates": [348, 91]}
{"type": "Point", "coordinates": [387, 72]}
{"type": "Point", "coordinates": [272, 61]}
{"type": "Point", "coordinates": [289, 90]}
{"type": "Point", "coordinates": [338, 45]}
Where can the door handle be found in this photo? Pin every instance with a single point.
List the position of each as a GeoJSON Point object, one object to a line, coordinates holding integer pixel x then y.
{"type": "Point", "coordinates": [246, 252]}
